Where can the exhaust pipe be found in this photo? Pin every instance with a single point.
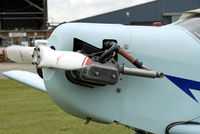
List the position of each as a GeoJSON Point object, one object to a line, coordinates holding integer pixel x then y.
{"type": "Point", "coordinates": [141, 72]}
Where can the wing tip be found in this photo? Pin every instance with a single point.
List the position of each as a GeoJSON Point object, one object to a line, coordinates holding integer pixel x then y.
{"type": "Point", "coordinates": [27, 78]}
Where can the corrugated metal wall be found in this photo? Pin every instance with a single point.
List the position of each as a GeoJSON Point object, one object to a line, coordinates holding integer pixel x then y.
{"type": "Point", "coordinates": [23, 14]}
{"type": "Point", "coordinates": [160, 10]}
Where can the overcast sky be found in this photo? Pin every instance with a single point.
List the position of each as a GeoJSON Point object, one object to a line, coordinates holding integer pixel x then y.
{"type": "Point", "coordinates": [68, 10]}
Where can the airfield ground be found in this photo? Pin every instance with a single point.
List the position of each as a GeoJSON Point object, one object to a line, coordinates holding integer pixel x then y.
{"type": "Point", "coordinates": [24, 110]}
{"type": "Point", "coordinates": [6, 66]}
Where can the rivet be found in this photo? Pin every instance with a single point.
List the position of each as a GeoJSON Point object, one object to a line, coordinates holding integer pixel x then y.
{"type": "Point", "coordinates": [96, 73]}
{"type": "Point", "coordinates": [126, 46]}
{"type": "Point", "coordinates": [113, 76]}
{"type": "Point", "coordinates": [118, 90]}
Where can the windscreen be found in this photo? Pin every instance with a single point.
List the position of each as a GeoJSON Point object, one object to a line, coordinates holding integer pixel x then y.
{"type": "Point", "coordinates": [192, 25]}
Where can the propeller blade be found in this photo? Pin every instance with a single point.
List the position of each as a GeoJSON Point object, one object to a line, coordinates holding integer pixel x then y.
{"type": "Point", "coordinates": [42, 56]}
{"type": "Point", "coordinates": [20, 54]}
{"type": "Point", "coordinates": [67, 60]}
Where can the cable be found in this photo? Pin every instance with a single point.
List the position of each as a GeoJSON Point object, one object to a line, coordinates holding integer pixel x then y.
{"type": "Point", "coordinates": [181, 123]}
{"type": "Point", "coordinates": [114, 47]}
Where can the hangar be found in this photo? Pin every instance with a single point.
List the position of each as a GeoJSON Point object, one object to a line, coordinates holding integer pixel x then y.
{"type": "Point", "coordinates": [22, 21]}
{"type": "Point", "coordinates": [164, 11]}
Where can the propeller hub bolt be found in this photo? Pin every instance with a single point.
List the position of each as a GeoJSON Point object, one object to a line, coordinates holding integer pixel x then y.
{"type": "Point", "coordinates": [96, 73]}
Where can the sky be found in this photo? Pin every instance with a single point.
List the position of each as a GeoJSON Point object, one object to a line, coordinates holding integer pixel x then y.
{"type": "Point", "coordinates": [69, 10]}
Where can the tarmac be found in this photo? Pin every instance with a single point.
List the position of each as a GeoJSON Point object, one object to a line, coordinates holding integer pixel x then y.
{"type": "Point", "coordinates": [6, 66]}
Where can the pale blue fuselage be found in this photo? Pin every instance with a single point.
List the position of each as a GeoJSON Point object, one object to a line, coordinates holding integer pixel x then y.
{"type": "Point", "coordinates": [148, 104]}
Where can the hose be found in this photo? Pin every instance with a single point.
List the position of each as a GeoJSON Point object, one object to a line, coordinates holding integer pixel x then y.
{"type": "Point", "coordinates": [114, 47]}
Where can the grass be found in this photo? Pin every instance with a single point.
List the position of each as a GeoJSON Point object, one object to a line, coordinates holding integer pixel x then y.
{"type": "Point", "coordinates": [24, 110]}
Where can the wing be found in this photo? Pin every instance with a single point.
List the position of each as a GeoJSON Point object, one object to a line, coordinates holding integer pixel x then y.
{"type": "Point", "coordinates": [27, 78]}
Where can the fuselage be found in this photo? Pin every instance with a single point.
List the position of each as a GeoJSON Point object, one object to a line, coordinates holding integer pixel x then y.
{"type": "Point", "coordinates": [147, 104]}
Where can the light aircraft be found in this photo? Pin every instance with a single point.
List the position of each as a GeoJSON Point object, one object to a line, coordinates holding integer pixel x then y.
{"type": "Point", "coordinates": [144, 77]}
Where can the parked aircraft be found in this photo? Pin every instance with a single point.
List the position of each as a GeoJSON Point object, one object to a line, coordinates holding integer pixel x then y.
{"type": "Point", "coordinates": [144, 77]}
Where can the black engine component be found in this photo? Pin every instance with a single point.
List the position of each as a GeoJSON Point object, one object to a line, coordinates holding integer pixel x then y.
{"type": "Point", "coordinates": [100, 73]}
{"type": "Point", "coordinates": [84, 47]}
{"type": "Point", "coordinates": [39, 72]}
{"type": "Point", "coordinates": [105, 69]}
{"type": "Point", "coordinates": [111, 48]}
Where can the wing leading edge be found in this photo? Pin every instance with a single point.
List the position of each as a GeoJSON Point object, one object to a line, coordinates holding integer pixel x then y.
{"type": "Point", "coordinates": [27, 78]}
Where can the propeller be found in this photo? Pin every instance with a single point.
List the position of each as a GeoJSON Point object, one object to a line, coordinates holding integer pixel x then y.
{"type": "Point", "coordinates": [42, 56]}
{"type": "Point", "coordinates": [20, 54]}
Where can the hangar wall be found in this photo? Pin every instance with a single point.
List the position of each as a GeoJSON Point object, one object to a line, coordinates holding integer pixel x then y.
{"type": "Point", "coordinates": [165, 11]}
{"type": "Point", "coordinates": [22, 21]}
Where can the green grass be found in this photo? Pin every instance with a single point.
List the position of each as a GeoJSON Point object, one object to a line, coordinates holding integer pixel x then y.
{"type": "Point", "coordinates": [24, 110]}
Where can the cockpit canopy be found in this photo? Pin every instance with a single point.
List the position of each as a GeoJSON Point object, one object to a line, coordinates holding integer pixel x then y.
{"type": "Point", "coordinates": [192, 25]}
{"type": "Point", "coordinates": [190, 20]}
